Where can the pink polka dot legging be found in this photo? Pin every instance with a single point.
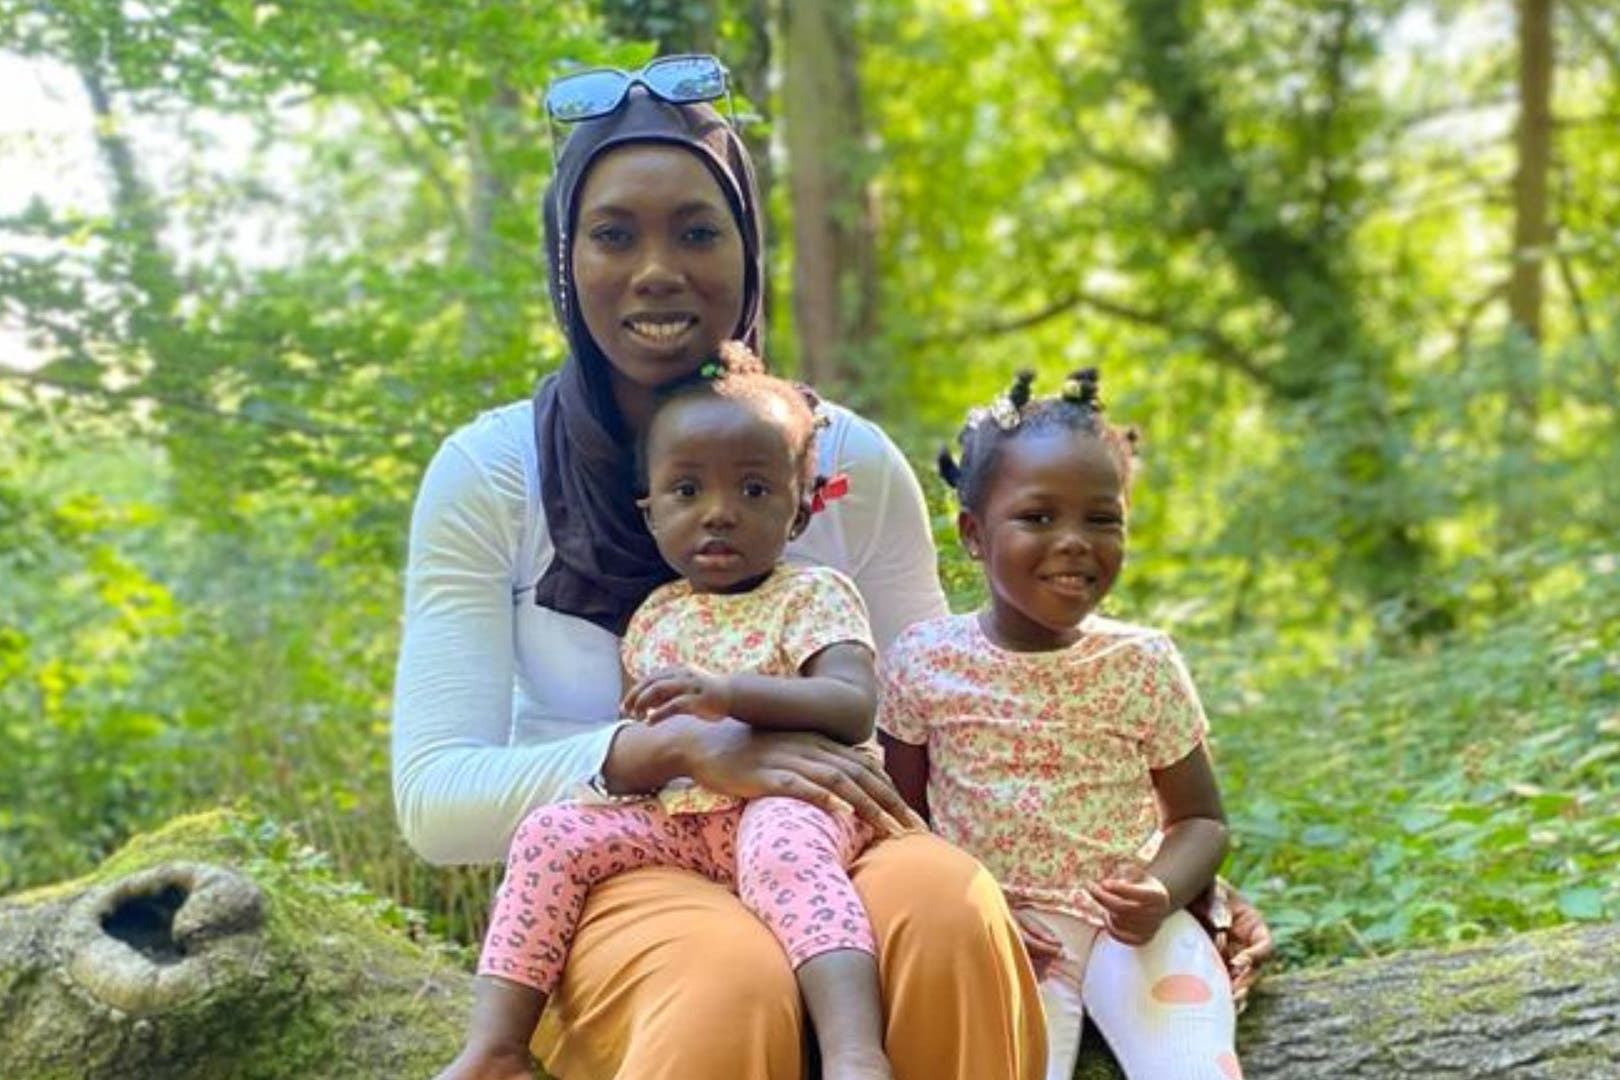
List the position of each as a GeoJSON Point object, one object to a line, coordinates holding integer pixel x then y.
{"type": "Point", "coordinates": [787, 859]}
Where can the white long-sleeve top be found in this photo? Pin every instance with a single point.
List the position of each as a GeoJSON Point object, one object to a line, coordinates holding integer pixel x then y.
{"type": "Point", "coordinates": [501, 705]}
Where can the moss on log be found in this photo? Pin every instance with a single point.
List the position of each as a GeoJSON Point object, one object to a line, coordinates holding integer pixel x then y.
{"type": "Point", "coordinates": [1537, 1006]}
{"type": "Point", "coordinates": [218, 947]}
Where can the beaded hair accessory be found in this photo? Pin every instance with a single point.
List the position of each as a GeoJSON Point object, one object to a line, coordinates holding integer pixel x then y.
{"type": "Point", "coordinates": [1001, 412]}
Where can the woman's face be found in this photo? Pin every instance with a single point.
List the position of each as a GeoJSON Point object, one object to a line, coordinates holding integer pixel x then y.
{"type": "Point", "coordinates": [658, 264]}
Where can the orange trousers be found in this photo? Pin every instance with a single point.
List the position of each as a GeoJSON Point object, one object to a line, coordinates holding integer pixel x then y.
{"type": "Point", "coordinates": [671, 978]}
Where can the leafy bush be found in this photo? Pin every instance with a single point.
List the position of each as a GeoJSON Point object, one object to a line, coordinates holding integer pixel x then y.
{"type": "Point", "coordinates": [1434, 793]}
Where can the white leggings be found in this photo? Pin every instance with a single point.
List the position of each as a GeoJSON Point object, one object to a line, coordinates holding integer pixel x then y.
{"type": "Point", "coordinates": [1164, 1008]}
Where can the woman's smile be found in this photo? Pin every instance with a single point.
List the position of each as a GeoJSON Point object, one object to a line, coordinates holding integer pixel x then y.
{"type": "Point", "coordinates": [666, 330]}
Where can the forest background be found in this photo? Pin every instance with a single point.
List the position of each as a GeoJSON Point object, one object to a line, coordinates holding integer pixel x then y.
{"type": "Point", "coordinates": [1353, 266]}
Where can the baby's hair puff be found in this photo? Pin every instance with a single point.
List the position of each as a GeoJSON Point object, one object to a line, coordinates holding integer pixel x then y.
{"type": "Point", "coordinates": [735, 373]}
{"type": "Point", "coordinates": [1077, 407]}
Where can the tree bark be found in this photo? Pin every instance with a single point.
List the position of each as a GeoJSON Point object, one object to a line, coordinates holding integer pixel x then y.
{"type": "Point", "coordinates": [1532, 236]}
{"type": "Point", "coordinates": [834, 262]}
{"type": "Point", "coordinates": [489, 313]}
{"type": "Point", "coordinates": [1539, 1006]}
{"type": "Point", "coordinates": [1533, 140]}
{"type": "Point", "coordinates": [673, 26]}
{"type": "Point", "coordinates": [218, 947]}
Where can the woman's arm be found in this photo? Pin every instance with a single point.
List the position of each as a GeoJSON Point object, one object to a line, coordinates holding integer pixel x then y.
{"type": "Point", "coordinates": [888, 542]}
{"type": "Point", "coordinates": [460, 787]}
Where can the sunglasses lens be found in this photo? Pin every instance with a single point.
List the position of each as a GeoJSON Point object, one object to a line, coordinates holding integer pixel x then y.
{"type": "Point", "coordinates": [686, 78]}
{"type": "Point", "coordinates": [587, 94]}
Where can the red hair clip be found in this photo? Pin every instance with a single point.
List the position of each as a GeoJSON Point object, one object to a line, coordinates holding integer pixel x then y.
{"type": "Point", "coordinates": [828, 488]}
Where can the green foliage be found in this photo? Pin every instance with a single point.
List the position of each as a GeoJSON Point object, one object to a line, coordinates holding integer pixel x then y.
{"type": "Point", "coordinates": [1280, 228]}
{"type": "Point", "coordinates": [1468, 788]}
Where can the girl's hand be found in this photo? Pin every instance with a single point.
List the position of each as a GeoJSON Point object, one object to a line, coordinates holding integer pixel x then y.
{"type": "Point", "coordinates": [679, 690]}
{"type": "Point", "coordinates": [1042, 945]}
{"type": "Point", "coordinates": [732, 758]}
{"type": "Point", "coordinates": [1133, 906]}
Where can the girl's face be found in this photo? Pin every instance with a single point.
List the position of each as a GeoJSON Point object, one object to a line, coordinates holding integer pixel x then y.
{"type": "Point", "coordinates": [723, 491]}
{"type": "Point", "coordinates": [658, 267]}
{"type": "Point", "coordinates": [1051, 535]}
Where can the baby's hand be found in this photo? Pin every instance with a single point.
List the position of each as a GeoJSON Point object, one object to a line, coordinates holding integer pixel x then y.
{"type": "Point", "coordinates": [1133, 904]}
{"type": "Point", "coordinates": [676, 691]}
{"type": "Point", "coordinates": [1043, 946]}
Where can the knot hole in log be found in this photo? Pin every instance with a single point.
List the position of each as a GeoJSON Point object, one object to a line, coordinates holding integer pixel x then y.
{"type": "Point", "coordinates": [145, 922]}
{"type": "Point", "coordinates": [158, 938]}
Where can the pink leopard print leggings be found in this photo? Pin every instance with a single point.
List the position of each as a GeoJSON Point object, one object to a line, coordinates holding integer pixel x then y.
{"type": "Point", "coordinates": [787, 859]}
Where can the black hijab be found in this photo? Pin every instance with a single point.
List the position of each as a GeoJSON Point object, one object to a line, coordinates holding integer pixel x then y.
{"type": "Point", "coordinates": [605, 562]}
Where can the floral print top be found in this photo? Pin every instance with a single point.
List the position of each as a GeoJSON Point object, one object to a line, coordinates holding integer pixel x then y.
{"type": "Point", "coordinates": [1038, 762]}
{"type": "Point", "coordinates": [772, 630]}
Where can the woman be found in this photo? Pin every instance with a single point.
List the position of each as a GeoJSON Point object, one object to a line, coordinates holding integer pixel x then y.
{"type": "Point", "coordinates": [528, 556]}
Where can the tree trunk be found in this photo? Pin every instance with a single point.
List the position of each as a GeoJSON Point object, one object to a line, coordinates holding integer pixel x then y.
{"type": "Point", "coordinates": [751, 60]}
{"type": "Point", "coordinates": [1332, 368]}
{"type": "Point", "coordinates": [175, 368]}
{"type": "Point", "coordinates": [218, 947]}
{"type": "Point", "coordinates": [673, 26]}
{"type": "Point", "coordinates": [490, 313]}
{"type": "Point", "coordinates": [1533, 140]}
{"type": "Point", "coordinates": [1531, 239]}
{"type": "Point", "coordinates": [834, 267]}
{"type": "Point", "coordinates": [1540, 1006]}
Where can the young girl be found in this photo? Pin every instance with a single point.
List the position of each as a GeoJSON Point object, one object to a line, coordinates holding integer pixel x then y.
{"type": "Point", "coordinates": [1039, 735]}
{"type": "Point", "coordinates": [727, 469]}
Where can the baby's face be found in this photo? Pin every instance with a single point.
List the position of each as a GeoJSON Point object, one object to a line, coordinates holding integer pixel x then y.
{"type": "Point", "coordinates": [723, 491]}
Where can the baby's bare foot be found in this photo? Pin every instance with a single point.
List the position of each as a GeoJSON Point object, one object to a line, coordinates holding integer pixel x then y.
{"type": "Point", "coordinates": [858, 1065]}
{"type": "Point", "coordinates": [504, 1064]}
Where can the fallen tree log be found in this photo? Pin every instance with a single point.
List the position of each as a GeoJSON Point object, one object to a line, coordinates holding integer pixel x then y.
{"type": "Point", "coordinates": [1536, 1006]}
{"type": "Point", "coordinates": [214, 948]}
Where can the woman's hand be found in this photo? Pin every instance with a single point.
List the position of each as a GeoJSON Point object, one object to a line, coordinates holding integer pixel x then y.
{"type": "Point", "coordinates": [734, 759]}
{"type": "Point", "coordinates": [1240, 932]}
{"type": "Point", "coordinates": [1246, 946]}
{"type": "Point", "coordinates": [679, 690]}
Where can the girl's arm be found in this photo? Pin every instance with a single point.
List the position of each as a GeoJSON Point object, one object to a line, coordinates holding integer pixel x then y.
{"type": "Point", "coordinates": [1194, 826]}
{"type": "Point", "coordinates": [1194, 829]}
{"type": "Point", "coordinates": [835, 695]}
{"type": "Point", "coordinates": [907, 765]}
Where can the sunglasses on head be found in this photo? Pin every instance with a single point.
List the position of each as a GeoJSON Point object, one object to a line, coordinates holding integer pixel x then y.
{"type": "Point", "coordinates": [679, 80]}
